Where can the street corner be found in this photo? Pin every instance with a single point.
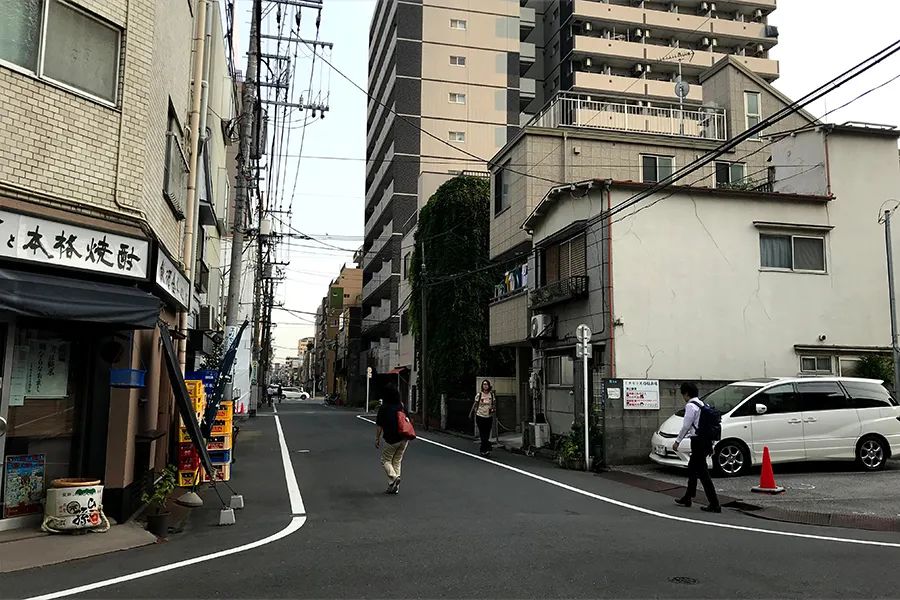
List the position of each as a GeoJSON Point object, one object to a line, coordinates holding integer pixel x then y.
{"type": "Point", "coordinates": [831, 494]}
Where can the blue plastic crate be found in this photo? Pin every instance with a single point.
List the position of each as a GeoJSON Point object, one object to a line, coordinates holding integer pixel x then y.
{"type": "Point", "coordinates": [127, 378]}
{"type": "Point", "coordinates": [220, 457]}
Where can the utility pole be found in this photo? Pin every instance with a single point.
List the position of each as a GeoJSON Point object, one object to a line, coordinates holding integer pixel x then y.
{"type": "Point", "coordinates": [423, 360]}
{"type": "Point", "coordinates": [248, 103]}
{"type": "Point", "coordinates": [895, 349]}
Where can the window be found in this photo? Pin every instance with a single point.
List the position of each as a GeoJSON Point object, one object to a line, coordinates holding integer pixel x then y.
{"type": "Point", "coordinates": [752, 110]}
{"type": "Point", "coordinates": [79, 51]}
{"type": "Point", "coordinates": [454, 172]}
{"type": "Point", "coordinates": [458, 61]}
{"type": "Point", "coordinates": [458, 24]}
{"type": "Point", "coordinates": [727, 397]}
{"type": "Point", "coordinates": [868, 395]}
{"type": "Point", "coordinates": [779, 400]}
{"type": "Point", "coordinates": [816, 364]}
{"type": "Point", "coordinates": [457, 136]}
{"type": "Point", "coordinates": [821, 395]}
{"type": "Point", "coordinates": [792, 252]}
{"type": "Point", "coordinates": [456, 98]}
{"type": "Point", "coordinates": [406, 260]}
{"type": "Point", "coordinates": [501, 190]}
{"type": "Point", "coordinates": [560, 371]}
{"type": "Point", "coordinates": [566, 259]}
{"type": "Point", "coordinates": [656, 168]}
{"type": "Point", "coordinates": [174, 181]}
{"type": "Point", "coordinates": [729, 174]}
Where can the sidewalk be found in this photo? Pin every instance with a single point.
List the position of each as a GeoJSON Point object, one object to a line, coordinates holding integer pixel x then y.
{"type": "Point", "coordinates": [26, 549]}
{"type": "Point", "coordinates": [830, 494]}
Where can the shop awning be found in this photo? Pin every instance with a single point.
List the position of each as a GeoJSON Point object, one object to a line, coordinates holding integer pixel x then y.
{"type": "Point", "coordinates": [73, 299]}
{"type": "Point", "coordinates": [397, 371]}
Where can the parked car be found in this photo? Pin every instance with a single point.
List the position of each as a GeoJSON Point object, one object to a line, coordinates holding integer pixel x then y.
{"type": "Point", "coordinates": [293, 393]}
{"type": "Point", "coordinates": [798, 418]}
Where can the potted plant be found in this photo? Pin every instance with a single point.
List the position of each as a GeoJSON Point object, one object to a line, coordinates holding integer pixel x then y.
{"type": "Point", "coordinates": [569, 454]}
{"type": "Point", "coordinates": [157, 500]}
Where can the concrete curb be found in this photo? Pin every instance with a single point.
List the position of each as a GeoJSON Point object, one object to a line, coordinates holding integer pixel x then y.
{"type": "Point", "coordinates": [784, 515]}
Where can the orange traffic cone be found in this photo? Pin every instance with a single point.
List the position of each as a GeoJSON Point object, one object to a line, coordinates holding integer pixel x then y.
{"type": "Point", "coordinates": [767, 483]}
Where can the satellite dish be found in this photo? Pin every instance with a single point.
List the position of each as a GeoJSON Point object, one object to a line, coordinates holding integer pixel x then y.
{"type": "Point", "coordinates": [682, 88]}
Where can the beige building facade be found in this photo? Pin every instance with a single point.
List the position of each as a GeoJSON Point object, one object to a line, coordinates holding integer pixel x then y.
{"type": "Point", "coordinates": [93, 176]}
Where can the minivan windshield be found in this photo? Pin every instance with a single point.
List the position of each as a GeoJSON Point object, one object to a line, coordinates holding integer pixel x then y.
{"type": "Point", "coordinates": [728, 397]}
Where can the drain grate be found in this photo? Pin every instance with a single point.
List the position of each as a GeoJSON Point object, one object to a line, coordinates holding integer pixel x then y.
{"type": "Point", "coordinates": [683, 580]}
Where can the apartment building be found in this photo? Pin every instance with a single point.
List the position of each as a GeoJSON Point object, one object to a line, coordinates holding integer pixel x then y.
{"type": "Point", "coordinates": [638, 49]}
{"type": "Point", "coordinates": [449, 70]}
{"type": "Point", "coordinates": [96, 97]}
{"type": "Point", "coordinates": [335, 316]}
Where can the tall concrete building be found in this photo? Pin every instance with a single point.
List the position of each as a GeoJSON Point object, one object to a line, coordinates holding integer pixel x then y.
{"type": "Point", "coordinates": [463, 76]}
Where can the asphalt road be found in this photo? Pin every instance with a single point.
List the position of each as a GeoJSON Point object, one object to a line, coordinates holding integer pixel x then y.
{"type": "Point", "coordinates": [463, 527]}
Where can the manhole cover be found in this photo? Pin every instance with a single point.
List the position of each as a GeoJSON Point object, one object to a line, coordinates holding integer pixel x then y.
{"type": "Point", "coordinates": [683, 580]}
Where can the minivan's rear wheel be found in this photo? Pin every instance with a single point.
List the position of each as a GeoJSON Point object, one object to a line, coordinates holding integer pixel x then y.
{"type": "Point", "coordinates": [871, 453]}
{"type": "Point", "coordinates": [731, 458]}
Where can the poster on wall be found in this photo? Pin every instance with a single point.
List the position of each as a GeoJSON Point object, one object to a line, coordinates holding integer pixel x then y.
{"type": "Point", "coordinates": [24, 485]}
{"type": "Point", "coordinates": [40, 370]}
{"type": "Point", "coordinates": [641, 394]}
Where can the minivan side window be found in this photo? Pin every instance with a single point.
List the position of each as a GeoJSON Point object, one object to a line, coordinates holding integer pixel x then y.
{"type": "Point", "coordinates": [779, 399]}
{"type": "Point", "coordinates": [821, 395]}
{"type": "Point", "coordinates": [868, 395]}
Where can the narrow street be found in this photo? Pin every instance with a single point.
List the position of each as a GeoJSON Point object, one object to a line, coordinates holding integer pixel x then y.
{"type": "Point", "coordinates": [464, 527]}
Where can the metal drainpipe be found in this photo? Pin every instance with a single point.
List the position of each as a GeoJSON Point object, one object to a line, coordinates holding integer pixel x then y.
{"type": "Point", "coordinates": [191, 209]}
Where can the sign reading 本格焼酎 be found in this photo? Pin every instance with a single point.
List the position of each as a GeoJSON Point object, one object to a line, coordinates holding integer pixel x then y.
{"type": "Point", "coordinates": [35, 239]}
{"type": "Point", "coordinates": [641, 394]}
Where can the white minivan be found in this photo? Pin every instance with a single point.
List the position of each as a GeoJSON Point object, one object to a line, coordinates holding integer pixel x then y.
{"type": "Point", "coordinates": [798, 418]}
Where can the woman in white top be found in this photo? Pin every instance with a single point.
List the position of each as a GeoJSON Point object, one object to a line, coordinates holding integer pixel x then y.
{"type": "Point", "coordinates": [483, 410]}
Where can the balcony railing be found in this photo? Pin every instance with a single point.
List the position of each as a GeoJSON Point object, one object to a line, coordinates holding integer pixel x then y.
{"type": "Point", "coordinates": [560, 291]}
{"type": "Point", "coordinates": [569, 109]}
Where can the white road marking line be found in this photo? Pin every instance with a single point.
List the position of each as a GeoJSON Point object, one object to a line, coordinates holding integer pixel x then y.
{"type": "Point", "coordinates": [651, 512]}
{"type": "Point", "coordinates": [297, 521]}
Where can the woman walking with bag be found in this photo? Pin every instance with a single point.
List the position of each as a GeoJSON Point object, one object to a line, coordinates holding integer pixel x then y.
{"type": "Point", "coordinates": [392, 424]}
{"type": "Point", "coordinates": [483, 410]}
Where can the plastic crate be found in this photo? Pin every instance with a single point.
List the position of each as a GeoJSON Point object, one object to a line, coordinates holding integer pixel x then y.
{"type": "Point", "coordinates": [187, 478]}
{"type": "Point", "coordinates": [183, 434]}
{"type": "Point", "coordinates": [127, 378]}
{"type": "Point", "coordinates": [219, 442]}
{"type": "Point", "coordinates": [226, 411]}
{"type": "Point", "coordinates": [195, 389]}
{"type": "Point", "coordinates": [220, 457]}
{"type": "Point", "coordinates": [221, 428]}
{"type": "Point", "coordinates": [222, 473]}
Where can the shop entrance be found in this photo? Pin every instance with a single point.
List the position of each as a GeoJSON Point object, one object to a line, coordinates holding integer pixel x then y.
{"type": "Point", "coordinates": [41, 404]}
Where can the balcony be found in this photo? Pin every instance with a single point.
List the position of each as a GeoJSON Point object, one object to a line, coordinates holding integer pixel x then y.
{"type": "Point", "coordinates": [614, 85]}
{"type": "Point", "coordinates": [583, 111]}
{"type": "Point", "coordinates": [526, 53]}
{"type": "Point", "coordinates": [379, 279]}
{"type": "Point", "coordinates": [526, 21]}
{"type": "Point", "coordinates": [560, 291]}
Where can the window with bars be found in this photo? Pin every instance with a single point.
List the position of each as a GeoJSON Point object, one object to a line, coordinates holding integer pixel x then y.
{"type": "Point", "coordinates": [566, 259]}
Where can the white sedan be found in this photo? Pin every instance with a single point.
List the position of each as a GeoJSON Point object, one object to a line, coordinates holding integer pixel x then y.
{"type": "Point", "coordinates": [798, 419]}
{"type": "Point", "coordinates": [292, 393]}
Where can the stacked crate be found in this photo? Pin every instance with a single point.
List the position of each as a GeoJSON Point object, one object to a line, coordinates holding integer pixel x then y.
{"type": "Point", "coordinates": [188, 458]}
{"type": "Point", "coordinates": [220, 440]}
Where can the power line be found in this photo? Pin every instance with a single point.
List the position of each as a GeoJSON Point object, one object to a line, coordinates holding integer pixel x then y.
{"type": "Point", "coordinates": [411, 123]}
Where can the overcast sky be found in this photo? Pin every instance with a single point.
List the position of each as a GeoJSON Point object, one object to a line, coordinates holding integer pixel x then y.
{"type": "Point", "coordinates": [818, 39]}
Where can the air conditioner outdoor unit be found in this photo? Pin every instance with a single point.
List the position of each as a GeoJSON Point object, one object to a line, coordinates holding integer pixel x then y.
{"type": "Point", "coordinates": [639, 68]}
{"type": "Point", "coordinates": [760, 49]}
{"type": "Point", "coordinates": [758, 13]}
{"type": "Point", "coordinates": [541, 327]}
{"type": "Point", "coordinates": [704, 6]}
{"type": "Point", "coordinates": [206, 319]}
{"type": "Point", "coordinates": [715, 42]}
{"type": "Point", "coordinates": [588, 26]}
{"type": "Point", "coordinates": [538, 434]}
{"type": "Point", "coordinates": [712, 7]}
{"type": "Point", "coordinates": [705, 42]}
{"type": "Point", "coordinates": [588, 63]}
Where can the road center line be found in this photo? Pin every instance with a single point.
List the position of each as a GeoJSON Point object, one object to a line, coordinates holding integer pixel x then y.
{"type": "Point", "coordinates": [296, 522]}
{"type": "Point", "coordinates": [651, 512]}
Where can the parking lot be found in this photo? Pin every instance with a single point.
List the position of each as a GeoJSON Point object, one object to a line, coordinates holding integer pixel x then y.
{"type": "Point", "coordinates": [816, 487]}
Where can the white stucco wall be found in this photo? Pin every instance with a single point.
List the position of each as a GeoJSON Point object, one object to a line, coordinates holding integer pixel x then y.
{"type": "Point", "coordinates": [694, 302]}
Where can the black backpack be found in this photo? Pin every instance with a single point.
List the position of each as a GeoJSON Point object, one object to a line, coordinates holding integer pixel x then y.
{"type": "Point", "coordinates": [710, 425]}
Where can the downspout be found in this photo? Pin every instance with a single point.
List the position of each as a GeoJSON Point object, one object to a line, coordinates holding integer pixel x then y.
{"type": "Point", "coordinates": [827, 166]}
{"type": "Point", "coordinates": [565, 165]}
{"type": "Point", "coordinates": [191, 211]}
{"type": "Point", "coordinates": [609, 287]}
{"type": "Point", "coordinates": [204, 84]}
